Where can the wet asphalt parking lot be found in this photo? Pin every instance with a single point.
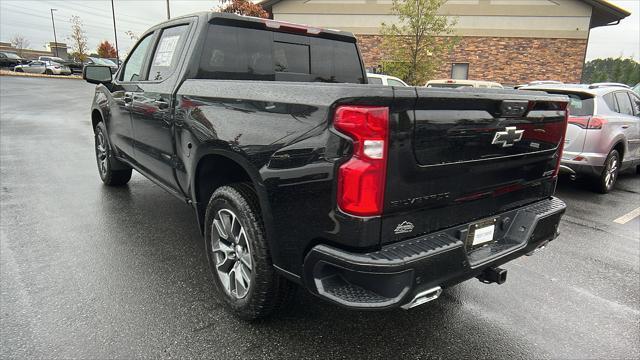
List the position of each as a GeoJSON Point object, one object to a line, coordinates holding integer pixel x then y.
{"type": "Point", "coordinates": [88, 271]}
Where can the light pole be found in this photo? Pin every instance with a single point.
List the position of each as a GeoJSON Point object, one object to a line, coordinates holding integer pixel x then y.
{"type": "Point", "coordinates": [55, 39]}
{"type": "Point", "coordinates": [115, 33]}
{"type": "Point", "coordinates": [168, 12]}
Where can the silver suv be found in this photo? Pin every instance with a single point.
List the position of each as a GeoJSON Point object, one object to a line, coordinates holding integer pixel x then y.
{"type": "Point", "coordinates": [603, 135]}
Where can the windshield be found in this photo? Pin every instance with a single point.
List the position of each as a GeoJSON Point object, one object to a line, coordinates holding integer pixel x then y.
{"type": "Point", "coordinates": [11, 55]}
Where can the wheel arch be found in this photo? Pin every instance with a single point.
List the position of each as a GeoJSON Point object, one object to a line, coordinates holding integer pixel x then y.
{"type": "Point", "coordinates": [621, 148]}
{"type": "Point", "coordinates": [218, 167]}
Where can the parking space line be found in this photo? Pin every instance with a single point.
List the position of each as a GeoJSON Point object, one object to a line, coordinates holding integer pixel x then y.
{"type": "Point", "coordinates": [627, 217]}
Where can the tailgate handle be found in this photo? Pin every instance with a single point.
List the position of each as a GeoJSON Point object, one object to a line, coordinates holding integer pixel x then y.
{"type": "Point", "coordinates": [513, 108]}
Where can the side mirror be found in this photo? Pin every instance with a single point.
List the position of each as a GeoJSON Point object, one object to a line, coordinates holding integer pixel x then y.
{"type": "Point", "coordinates": [96, 74]}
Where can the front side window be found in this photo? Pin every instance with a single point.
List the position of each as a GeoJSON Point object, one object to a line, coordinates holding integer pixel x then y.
{"type": "Point", "coordinates": [635, 101]}
{"type": "Point", "coordinates": [624, 103]}
{"type": "Point", "coordinates": [133, 67]}
{"type": "Point", "coordinates": [394, 82]}
{"type": "Point", "coordinates": [167, 54]}
{"type": "Point", "coordinates": [375, 80]}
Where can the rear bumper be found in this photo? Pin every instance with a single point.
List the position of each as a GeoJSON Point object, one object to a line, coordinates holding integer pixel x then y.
{"type": "Point", "coordinates": [582, 163]}
{"type": "Point", "coordinates": [394, 275]}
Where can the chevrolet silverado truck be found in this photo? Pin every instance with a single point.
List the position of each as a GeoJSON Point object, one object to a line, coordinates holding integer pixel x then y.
{"type": "Point", "coordinates": [302, 174]}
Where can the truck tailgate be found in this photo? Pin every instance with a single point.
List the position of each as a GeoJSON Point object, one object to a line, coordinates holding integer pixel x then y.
{"type": "Point", "coordinates": [459, 155]}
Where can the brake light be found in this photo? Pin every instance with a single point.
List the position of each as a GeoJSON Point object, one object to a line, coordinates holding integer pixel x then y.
{"type": "Point", "coordinates": [561, 144]}
{"type": "Point", "coordinates": [587, 122]}
{"type": "Point", "coordinates": [361, 180]}
{"type": "Point", "coordinates": [292, 27]}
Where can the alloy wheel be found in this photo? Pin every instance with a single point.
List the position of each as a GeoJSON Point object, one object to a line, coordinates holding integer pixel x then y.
{"type": "Point", "coordinates": [611, 172]}
{"type": "Point", "coordinates": [101, 153]}
{"type": "Point", "coordinates": [231, 253]}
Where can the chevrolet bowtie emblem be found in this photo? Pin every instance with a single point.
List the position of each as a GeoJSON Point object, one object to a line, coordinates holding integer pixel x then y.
{"type": "Point", "coordinates": [508, 137]}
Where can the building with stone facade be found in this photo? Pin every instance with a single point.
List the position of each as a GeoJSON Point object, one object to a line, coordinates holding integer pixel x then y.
{"type": "Point", "coordinates": [508, 41]}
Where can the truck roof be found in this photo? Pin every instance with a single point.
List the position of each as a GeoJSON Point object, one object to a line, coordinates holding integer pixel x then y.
{"type": "Point", "coordinates": [267, 24]}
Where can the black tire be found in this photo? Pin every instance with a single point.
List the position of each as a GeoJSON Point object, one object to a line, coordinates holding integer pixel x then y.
{"type": "Point", "coordinates": [18, 70]}
{"type": "Point", "coordinates": [267, 291]}
{"type": "Point", "coordinates": [48, 72]}
{"type": "Point", "coordinates": [607, 179]}
{"type": "Point", "coordinates": [107, 165]}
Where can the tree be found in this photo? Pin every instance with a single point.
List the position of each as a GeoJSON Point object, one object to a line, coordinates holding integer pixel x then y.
{"type": "Point", "coordinates": [620, 70]}
{"type": "Point", "coordinates": [243, 7]}
{"type": "Point", "coordinates": [78, 38]}
{"type": "Point", "coordinates": [106, 50]}
{"type": "Point", "coordinates": [20, 43]}
{"type": "Point", "coordinates": [415, 46]}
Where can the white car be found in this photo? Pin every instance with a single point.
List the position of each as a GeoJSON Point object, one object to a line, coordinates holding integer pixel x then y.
{"type": "Point", "coordinates": [452, 83]}
{"type": "Point", "coordinates": [43, 67]}
{"type": "Point", "coordinates": [385, 80]}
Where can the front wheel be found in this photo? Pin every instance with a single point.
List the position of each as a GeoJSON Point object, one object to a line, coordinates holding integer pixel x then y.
{"type": "Point", "coordinates": [238, 255]}
{"type": "Point", "coordinates": [109, 176]}
{"type": "Point", "coordinates": [609, 175]}
{"type": "Point", "coordinates": [48, 72]}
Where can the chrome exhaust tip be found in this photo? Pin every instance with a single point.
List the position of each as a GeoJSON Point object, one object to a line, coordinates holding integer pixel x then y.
{"type": "Point", "coordinates": [423, 297]}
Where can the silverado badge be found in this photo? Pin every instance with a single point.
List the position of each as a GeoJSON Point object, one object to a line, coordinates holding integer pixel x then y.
{"type": "Point", "coordinates": [403, 228]}
{"type": "Point", "coordinates": [508, 137]}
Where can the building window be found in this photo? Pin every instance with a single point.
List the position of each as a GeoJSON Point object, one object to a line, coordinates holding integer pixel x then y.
{"type": "Point", "coordinates": [460, 71]}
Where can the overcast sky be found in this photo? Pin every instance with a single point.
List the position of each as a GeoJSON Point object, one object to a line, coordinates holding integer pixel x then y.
{"type": "Point", "coordinates": [32, 18]}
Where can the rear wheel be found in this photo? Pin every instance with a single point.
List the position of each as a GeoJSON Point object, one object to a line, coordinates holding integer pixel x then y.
{"type": "Point", "coordinates": [609, 174]}
{"type": "Point", "coordinates": [18, 70]}
{"type": "Point", "coordinates": [239, 258]}
{"type": "Point", "coordinates": [48, 72]}
{"type": "Point", "coordinates": [105, 161]}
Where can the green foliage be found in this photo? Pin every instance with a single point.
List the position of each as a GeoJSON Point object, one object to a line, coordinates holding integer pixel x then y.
{"type": "Point", "coordinates": [415, 46]}
{"type": "Point", "coordinates": [620, 70]}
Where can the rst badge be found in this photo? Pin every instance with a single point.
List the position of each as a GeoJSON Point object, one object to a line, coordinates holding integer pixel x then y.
{"type": "Point", "coordinates": [403, 228]}
{"type": "Point", "coordinates": [508, 137]}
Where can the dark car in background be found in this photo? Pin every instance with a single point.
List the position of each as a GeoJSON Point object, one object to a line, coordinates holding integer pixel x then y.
{"type": "Point", "coordinates": [10, 59]}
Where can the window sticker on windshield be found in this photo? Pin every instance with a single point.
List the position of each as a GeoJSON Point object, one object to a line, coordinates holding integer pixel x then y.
{"type": "Point", "coordinates": [165, 51]}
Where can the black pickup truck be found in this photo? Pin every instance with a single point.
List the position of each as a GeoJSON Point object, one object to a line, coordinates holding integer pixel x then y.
{"type": "Point", "coordinates": [300, 173]}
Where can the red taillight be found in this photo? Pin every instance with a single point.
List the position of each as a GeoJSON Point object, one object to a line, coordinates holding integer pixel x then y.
{"type": "Point", "coordinates": [292, 27]}
{"type": "Point", "coordinates": [561, 144]}
{"type": "Point", "coordinates": [361, 180]}
{"type": "Point", "coordinates": [587, 122]}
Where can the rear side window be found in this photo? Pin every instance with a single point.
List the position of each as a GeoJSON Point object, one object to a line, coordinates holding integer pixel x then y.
{"type": "Point", "coordinates": [394, 82]}
{"type": "Point", "coordinates": [624, 103]}
{"type": "Point", "coordinates": [235, 53]}
{"type": "Point", "coordinates": [167, 53]}
{"type": "Point", "coordinates": [611, 102]}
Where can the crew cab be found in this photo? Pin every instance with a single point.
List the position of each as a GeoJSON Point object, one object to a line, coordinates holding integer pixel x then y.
{"type": "Point", "coordinates": [302, 174]}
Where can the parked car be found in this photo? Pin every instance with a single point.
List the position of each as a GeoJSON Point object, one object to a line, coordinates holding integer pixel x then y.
{"type": "Point", "coordinates": [72, 64]}
{"type": "Point", "coordinates": [103, 62]}
{"type": "Point", "coordinates": [603, 136]}
{"type": "Point", "coordinates": [380, 79]}
{"type": "Point", "coordinates": [539, 82]}
{"type": "Point", "coordinates": [43, 67]}
{"type": "Point", "coordinates": [450, 83]}
{"type": "Point", "coordinates": [10, 59]}
{"type": "Point", "coordinates": [301, 174]}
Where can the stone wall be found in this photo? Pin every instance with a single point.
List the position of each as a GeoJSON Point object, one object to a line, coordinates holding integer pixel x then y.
{"type": "Point", "coordinates": [505, 60]}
